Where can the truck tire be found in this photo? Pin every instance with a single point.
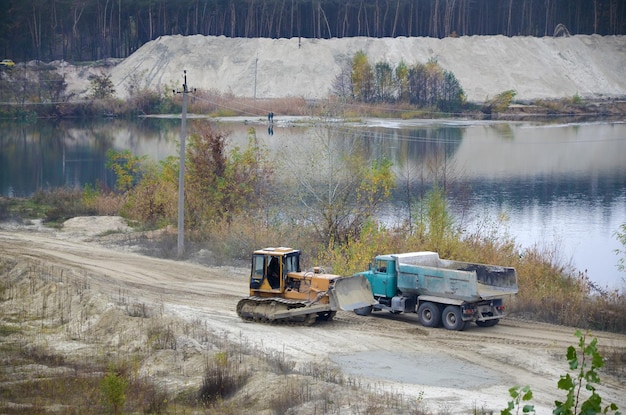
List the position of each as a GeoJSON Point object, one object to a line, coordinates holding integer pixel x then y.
{"type": "Point", "coordinates": [363, 311]}
{"type": "Point", "coordinates": [429, 315]}
{"type": "Point", "coordinates": [451, 318]}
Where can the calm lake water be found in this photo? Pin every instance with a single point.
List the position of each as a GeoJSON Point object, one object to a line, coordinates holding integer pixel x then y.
{"type": "Point", "coordinates": [558, 185]}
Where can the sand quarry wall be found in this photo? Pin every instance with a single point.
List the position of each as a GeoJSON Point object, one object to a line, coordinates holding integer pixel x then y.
{"type": "Point", "coordinates": [537, 68]}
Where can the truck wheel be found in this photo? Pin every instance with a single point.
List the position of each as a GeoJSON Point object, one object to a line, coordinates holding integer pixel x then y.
{"type": "Point", "coordinates": [363, 311]}
{"type": "Point", "coordinates": [429, 315]}
{"type": "Point", "coordinates": [451, 318]}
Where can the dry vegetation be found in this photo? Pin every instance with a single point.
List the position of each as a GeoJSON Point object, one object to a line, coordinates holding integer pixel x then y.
{"type": "Point", "coordinates": [219, 104]}
{"type": "Point", "coordinates": [69, 349]}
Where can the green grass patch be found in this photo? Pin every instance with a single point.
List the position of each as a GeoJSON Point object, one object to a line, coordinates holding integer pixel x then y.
{"type": "Point", "coordinates": [21, 208]}
{"type": "Point", "coordinates": [225, 112]}
{"type": "Point", "coordinates": [6, 330]}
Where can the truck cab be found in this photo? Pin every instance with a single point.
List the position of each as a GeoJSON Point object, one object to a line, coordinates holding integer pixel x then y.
{"type": "Point", "coordinates": [382, 276]}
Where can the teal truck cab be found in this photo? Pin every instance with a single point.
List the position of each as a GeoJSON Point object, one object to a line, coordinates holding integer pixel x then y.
{"type": "Point", "coordinates": [440, 291]}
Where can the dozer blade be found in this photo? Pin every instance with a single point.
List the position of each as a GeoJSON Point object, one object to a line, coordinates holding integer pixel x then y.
{"type": "Point", "coordinates": [350, 293]}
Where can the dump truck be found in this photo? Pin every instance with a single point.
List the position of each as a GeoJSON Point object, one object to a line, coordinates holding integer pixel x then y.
{"type": "Point", "coordinates": [452, 293]}
{"type": "Point", "coordinates": [281, 293]}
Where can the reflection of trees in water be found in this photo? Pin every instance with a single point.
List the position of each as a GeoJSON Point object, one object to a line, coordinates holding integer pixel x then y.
{"type": "Point", "coordinates": [32, 156]}
{"type": "Point", "coordinates": [423, 158]}
{"type": "Point", "coordinates": [48, 154]}
{"type": "Point", "coordinates": [26, 157]}
{"type": "Point", "coordinates": [412, 145]}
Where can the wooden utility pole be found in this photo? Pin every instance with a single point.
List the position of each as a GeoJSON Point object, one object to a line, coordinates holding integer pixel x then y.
{"type": "Point", "coordinates": [181, 172]}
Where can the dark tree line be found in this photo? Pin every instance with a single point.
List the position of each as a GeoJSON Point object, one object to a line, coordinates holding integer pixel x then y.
{"type": "Point", "coordinates": [78, 30]}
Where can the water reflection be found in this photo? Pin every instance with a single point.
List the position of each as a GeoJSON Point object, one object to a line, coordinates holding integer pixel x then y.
{"type": "Point", "coordinates": [557, 184]}
{"type": "Point", "coordinates": [50, 154]}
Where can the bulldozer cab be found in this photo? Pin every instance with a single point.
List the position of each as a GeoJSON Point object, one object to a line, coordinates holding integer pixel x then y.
{"type": "Point", "coordinates": [270, 267]}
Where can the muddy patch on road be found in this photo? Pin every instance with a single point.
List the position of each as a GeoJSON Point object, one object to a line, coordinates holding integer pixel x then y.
{"type": "Point", "coordinates": [419, 369]}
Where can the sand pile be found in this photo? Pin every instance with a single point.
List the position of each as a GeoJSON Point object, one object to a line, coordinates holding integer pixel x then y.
{"type": "Point", "coordinates": [537, 68]}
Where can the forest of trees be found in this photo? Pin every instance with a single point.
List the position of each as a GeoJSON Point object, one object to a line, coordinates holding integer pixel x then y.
{"type": "Point", "coordinates": [80, 30]}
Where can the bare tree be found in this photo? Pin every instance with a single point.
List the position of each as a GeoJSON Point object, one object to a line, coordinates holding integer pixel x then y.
{"type": "Point", "coordinates": [338, 188]}
{"type": "Point", "coordinates": [342, 84]}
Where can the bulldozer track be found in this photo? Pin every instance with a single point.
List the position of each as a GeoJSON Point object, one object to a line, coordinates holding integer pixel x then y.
{"type": "Point", "coordinates": [259, 304]}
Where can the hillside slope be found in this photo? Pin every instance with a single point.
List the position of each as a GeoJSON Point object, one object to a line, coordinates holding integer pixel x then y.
{"type": "Point", "coordinates": [537, 68]}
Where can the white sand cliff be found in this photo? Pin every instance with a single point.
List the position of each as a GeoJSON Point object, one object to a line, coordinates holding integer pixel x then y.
{"type": "Point", "coordinates": [537, 68]}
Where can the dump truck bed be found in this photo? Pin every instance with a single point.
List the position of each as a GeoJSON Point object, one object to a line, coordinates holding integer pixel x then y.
{"type": "Point", "coordinates": [424, 273]}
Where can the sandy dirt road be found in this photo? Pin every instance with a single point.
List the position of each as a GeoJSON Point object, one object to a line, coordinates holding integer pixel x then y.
{"type": "Point", "coordinates": [464, 370]}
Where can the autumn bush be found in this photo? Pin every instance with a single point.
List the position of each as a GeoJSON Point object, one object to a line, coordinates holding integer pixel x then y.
{"type": "Point", "coordinates": [223, 376]}
{"type": "Point", "coordinates": [500, 102]}
{"type": "Point", "coordinates": [62, 204]}
{"type": "Point", "coordinates": [57, 205]}
{"type": "Point", "coordinates": [234, 240]}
